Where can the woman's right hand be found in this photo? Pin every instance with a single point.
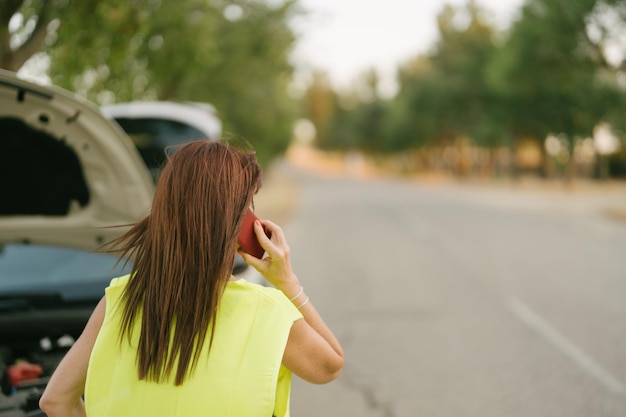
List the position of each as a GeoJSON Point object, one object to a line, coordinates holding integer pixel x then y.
{"type": "Point", "coordinates": [276, 265]}
{"type": "Point", "coordinates": [312, 352]}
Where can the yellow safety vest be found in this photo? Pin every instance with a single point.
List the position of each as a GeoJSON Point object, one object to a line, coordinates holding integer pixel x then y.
{"type": "Point", "coordinates": [242, 376]}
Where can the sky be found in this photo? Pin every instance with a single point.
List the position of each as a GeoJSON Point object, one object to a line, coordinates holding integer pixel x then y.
{"type": "Point", "coordinates": [347, 37]}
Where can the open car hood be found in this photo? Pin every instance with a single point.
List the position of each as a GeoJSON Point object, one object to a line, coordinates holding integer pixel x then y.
{"type": "Point", "coordinates": [68, 173]}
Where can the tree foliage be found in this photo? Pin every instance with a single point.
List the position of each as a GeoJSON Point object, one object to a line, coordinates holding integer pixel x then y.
{"type": "Point", "coordinates": [444, 95]}
{"type": "Point", "coordinates": [551, 72]}
{"type": "Point", "coordinates": [547, 72]}
{"type": "Point", "coordinates": [233, 54]}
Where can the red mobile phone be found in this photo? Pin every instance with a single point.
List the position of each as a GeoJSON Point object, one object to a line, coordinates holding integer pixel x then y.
{"type": "Point", "coordinates": [247, 238]}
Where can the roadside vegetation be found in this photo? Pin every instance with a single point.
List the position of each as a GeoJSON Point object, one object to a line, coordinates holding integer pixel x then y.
{"type": "Point", "coordinates": [232, 54]}
{"type": "Point", "coordinates": [543, 97]}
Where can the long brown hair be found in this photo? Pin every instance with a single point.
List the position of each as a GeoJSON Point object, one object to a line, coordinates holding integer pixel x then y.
{"type": "Point", "coordinates": [184, 254]}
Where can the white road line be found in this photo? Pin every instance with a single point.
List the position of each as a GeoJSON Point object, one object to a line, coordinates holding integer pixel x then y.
{"type": "Point", "coordinates": [576, 354]}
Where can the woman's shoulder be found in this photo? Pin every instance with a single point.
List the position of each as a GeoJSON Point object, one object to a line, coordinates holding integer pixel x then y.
{"type": "Point", "coordinates": [116, 286]}
{"type": "Point", "coordinates": [119, 281]}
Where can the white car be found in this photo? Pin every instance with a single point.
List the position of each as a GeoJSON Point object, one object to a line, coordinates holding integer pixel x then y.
{"type": "Point", "coordinates": [154, 125]}
{"type": "Point", "coordinates": [69, 173]}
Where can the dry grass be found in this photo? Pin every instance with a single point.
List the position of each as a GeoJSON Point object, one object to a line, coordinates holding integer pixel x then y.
{"type": "Point", "coordinates": [617, 214]}
{"type": "Point", "coordinates": [280, 195]}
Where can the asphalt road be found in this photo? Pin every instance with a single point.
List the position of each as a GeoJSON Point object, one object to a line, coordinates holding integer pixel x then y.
{"type": "Point", "coordinates": [458, 301]}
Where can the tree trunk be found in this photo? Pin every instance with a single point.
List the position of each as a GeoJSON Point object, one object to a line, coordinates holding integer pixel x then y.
{"type": "Point", "coordinates": [513, 168]}
{"type": "Point", "coordinates": [570, 169]}
{"type": "Point", "coordinates": [13, 60]}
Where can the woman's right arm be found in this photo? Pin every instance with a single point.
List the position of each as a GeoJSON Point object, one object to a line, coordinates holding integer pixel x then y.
{"type": "Point", "coordinates": [313, 352]}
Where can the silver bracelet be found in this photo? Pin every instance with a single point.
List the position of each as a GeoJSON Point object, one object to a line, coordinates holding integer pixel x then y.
{"type": "Point", "coordinates": [297, 295]}
{"type": "Point", "coordinates": [303, 304]}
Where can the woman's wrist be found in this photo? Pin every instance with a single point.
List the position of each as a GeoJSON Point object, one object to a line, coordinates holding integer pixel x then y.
{"type": "Point", "coordinates": [292, 289]}
{"type": "Point", "coordinates": [300, 299]}
{"type": "Point", "coordinates": [295, 297]}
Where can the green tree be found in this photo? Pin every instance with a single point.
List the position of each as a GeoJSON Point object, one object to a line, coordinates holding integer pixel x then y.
{"type": "Point", "coordinates": [460, 60]}
{"type": "Point", "coordinates": [413, 119]}
{"type": "Point", "coordinates": [548, 72]}
{"type": "Point", "coordinates": [248, 75]}
{"type": "Point", "coordinates": [233, 54]}
{"type": "Point", "coordinates": [369, 117]}
{"type": "Point", "coordinates": [320, 107]}
{"type": "Point", "coordinates": [358, 117]}
{"type": "Point", "coordinates": [445, 97]}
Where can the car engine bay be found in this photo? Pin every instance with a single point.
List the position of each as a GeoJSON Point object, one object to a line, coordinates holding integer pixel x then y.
{"type": "Point", "coordinates": [24, 372]}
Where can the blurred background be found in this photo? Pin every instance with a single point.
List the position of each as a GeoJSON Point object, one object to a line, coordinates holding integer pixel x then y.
{"type": "Point", "coordinates": [469, 89]}
{"type": "Point", "coordinates": [451, 176]}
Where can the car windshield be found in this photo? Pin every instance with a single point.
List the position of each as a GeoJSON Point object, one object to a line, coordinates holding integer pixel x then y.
{"type": "Point", "coordinates": [152, 136]}
{"type": "Point", "coordinates": [37, 266]}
